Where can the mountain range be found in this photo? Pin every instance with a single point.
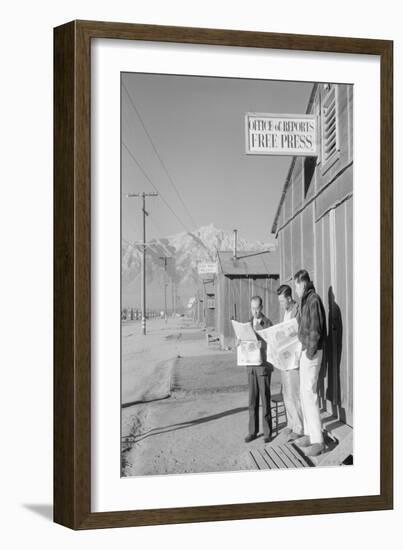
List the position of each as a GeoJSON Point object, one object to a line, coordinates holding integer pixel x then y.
{"type": "Point", "coordinates": [174, 260]}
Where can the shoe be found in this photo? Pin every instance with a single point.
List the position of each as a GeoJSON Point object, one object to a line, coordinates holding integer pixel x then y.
{"type": "Point", "coordinates": [268, 438]}
{"type": "Point", "coordinates": [303, 441]}
{"type": "Point", "coordinates": [315, 449]}
{"type": "Point", "coordinates": [293, 436]}
{"type": "Point", "coordinates": [250, 438]}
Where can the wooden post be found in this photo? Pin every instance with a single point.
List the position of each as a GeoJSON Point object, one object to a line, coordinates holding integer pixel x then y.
{"type": "Point", "coordinates": [143, 195]}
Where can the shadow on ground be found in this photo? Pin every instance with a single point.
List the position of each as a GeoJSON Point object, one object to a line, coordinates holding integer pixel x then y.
{"type": "Point", "coordinates": [43, 510]}
{"type": "Point", "coordinates": [188, 424]}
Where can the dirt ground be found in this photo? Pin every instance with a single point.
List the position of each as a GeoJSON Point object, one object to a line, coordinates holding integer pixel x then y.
{"type": "Point", "coordinates": [196, 417]}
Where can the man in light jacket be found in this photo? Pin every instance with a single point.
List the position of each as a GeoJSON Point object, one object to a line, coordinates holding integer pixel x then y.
{"type": "Point", "coordinates": [312, 334]}
{"type": "Point", "coordinates": [290, 378]}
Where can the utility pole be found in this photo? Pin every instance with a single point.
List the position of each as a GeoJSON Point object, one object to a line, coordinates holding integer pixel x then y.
{"type": "Point", "coordinates": [173, 288]}
{"type": "Point", "coordinates": [143, 195]}
{"type": "Point", "coordinates": [165, 259]}
{"type": "Point", "coordinates": [235, 246]}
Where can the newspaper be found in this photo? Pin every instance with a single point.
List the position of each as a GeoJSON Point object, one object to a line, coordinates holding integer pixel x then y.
{"type": "Point", "coordinates": [244, 331]}
{"type": "Point", "coordinates": [248, 350]}
{"type": "Point", "coordinates": [283, 345]}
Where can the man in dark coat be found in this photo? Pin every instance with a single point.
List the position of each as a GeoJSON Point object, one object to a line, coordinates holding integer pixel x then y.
{"type": "Point", "coordinates": [312, 334]}
{"type": "Point", "coordinates": [259, 378]}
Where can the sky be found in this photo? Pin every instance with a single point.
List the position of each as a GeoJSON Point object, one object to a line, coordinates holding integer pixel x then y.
{"type": "Point", "coordinates": [197, 129]}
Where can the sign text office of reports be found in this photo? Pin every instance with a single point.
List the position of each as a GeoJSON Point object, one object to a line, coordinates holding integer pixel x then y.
{"type": "Point", "coordinates": [281, 134]}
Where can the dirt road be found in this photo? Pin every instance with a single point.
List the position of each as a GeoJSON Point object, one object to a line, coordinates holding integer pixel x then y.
{"type": "Point", "coordinates": [202, 425]}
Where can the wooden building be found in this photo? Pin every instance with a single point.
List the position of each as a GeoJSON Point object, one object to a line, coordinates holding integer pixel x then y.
{"type": "Point", "coordinates": [207, 301]}
{"type": "Point", "coordinates": [251, 273]}
{"type": "Point", "coordinates": [314, 227]}
{"type": "Point", "coordinates": [204, 304]}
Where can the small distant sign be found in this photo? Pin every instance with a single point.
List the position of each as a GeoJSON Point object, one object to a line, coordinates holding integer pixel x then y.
{"type": "Point", "coordinates": [273, 134]}
{"type": "Point", "coordinates": [207, 268]}
{"type": "Point", "coordinates": [211, 303]}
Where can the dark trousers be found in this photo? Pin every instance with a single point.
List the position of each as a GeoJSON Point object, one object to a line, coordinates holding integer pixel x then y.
{"type": "Point", "coordinates": [259, 379]}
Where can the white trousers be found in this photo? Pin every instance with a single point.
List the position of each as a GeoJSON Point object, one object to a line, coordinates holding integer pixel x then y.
{"type": "Point", "coordinates": [291, 395]}
{"type": "Point", "coordinates": [309, 373]}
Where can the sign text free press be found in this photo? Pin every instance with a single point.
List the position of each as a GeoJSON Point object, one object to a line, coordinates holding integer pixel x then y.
{"type": "Point", "coordinates": [274, 134]}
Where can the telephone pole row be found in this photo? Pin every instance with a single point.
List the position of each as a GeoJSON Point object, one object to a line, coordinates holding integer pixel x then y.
{"type": "Point", "coordinates": [143, 195]}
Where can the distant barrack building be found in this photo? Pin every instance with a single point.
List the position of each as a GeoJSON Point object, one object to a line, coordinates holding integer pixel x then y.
{"type": "Point", "coordinates": [314, 228]}
{"type": "Point", "coordinates": [238, 279]}
{"type": "Point", "coordinates": [205, 303]}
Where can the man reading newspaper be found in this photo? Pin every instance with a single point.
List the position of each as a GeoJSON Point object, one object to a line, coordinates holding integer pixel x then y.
{"type": "Point", "coordinates": [312, 335]}
{"type": "Point", "coordinates": [290, 377]}
{"type": "Point", "coordinates": [259, 377]}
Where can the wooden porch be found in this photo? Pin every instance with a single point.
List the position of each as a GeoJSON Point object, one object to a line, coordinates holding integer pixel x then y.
{"type": "Point", "coordinates": [279, 454]}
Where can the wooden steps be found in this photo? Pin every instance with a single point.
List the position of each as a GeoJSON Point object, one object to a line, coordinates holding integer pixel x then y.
{"type": "Point", "coordinates": [341, 451]}
{"type": "Point", "coordinates": [279, 454]}
{"type": "Point", "coordinates": [338, 440]}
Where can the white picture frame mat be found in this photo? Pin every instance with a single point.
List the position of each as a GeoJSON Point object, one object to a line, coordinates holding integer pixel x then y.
{"type": "Point", "coordinates": [110, 491]}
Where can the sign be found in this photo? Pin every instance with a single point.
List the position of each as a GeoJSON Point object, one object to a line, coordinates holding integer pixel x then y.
{"type": "Point", "coordinates": [206, 268]}
{"type": "Point", "coordinates": [273, 134]}
{"type": "Point", "coordinates": [210, 303]}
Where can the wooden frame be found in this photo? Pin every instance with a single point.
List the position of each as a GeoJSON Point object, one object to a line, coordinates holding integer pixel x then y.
{"type": "Point", "coordinates": [72, 319]}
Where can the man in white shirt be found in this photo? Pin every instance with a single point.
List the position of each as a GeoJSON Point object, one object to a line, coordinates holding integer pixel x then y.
{"type": "Point", "coordinates": [290, 378]}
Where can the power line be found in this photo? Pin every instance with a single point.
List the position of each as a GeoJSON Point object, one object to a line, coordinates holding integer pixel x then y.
{"type": "Point", "coordinates": [164, 200]}
{"type": "Point", "coordinates": [165, 250]}
{"type": "Point", "coordinates": [155, 224]}
{"type": "Point", "coordinates": [254, 254]}
{"type": "Point", "coordinates": [131, 101]}
{"type": "Point", "coordinates": [155, 187]}
{"type": "Point", "coordinates": [143, 196]}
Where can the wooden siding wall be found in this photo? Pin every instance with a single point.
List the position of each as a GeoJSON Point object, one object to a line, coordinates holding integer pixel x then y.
{"type": "Point", "coordinates": [233, 297]}
{"type": "Point", "coordinates": [200, 310]}
{"type": "Point", "coordinates": [315, 232]}
{"type": "Point", "coordinates": [209, 313]}
{"type": "Point", "coordinates": [203, 314]}
{"type": "Point", "coordinates": [209, 317]}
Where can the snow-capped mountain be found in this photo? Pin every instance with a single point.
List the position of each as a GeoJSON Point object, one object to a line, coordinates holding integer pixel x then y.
{"type": "Point", "coordinates": [183, 252]}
